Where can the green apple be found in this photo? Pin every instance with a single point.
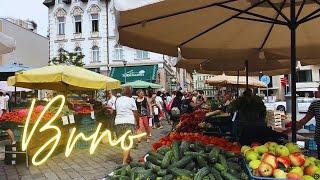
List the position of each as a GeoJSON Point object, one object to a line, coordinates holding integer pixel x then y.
{"type": "Point", "coordinates": [244, 148]}
{"type": "Point", "coordinates": [317, 172]}
{"type": "Point", "coordinates": [262, 149]}
{"type": "Point", "coordinates": [297, 170]}
{"type": "Point", "coordinates": [273, 146]}
{"type": "Point", "coordinates": [307, 177]}
{"type": "Point", "coordinates": [310, 170]}
{"type": "Point", "coordinates": [251, 155]}
{"type": "Point", "coordinates": [282, 151]}
{"type": "Point", "coordinates": [309, 161]}
{"type": "Point", "coordinates": [293, 147]}
{"type": "Point", "coordinates": [278, 173]}
{"type": "Point", "coordinates": [254, 164]}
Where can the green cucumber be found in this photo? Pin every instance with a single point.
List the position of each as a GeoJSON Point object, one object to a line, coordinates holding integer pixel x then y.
{"type": "Point", "coordinates": [153, 167]}
{"type": "Point", "coordinates": [228, 176]}
{"type": "Point", "coordinates": [190, 166]}
{"type": "Point", "coordinates": [201, 162]}
{"type": "Point", "coordinates": [234, 166]}
{"type": "Point", "coordinates": [176, 150]}
{"type": "Point", "coordinates": [219, 167]}
{"type": "Point", "coordinates": [222, 161]}
{"type": "Point", "coordinates": [181, 172]}
{"type": "Point", "coordinates": [182, 162]}
{"type": "Point", "coordinates": [201, 173]}
{"type": "Point", "coordinates": [184, 146]}
{"type": "Point", "coordinates": [162, 172]}
{"type": "Point", "coordinates": [216, 174]}
{"type": "Point", "coordinates": [213, 155]}
{"type": "Point", "coordinates": [211, 177]}
{"type": "Point", "coordinates": [168, 177]}
{"type": "Point", "coordinates": [163, 150]}
{"type": "Point", "coordinates": [155, 154]}
{"type": "Point", "coordinates": [166, 160]}
{"type": "Point", "coordinates": [230, 154]}
{"type": "Point", "coordinates": [153, 160]}
{"type": "Point", "coordinates": [195, 154]}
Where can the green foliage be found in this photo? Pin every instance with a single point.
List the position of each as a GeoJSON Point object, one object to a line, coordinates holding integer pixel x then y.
{"type": "Point", "coordinates": [69, 58]}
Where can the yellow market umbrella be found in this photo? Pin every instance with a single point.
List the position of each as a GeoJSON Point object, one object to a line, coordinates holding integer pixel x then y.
{"type": "Point", "coordinates": [62, 78]}
{"type": "Point", "coordinates": [230, 81]}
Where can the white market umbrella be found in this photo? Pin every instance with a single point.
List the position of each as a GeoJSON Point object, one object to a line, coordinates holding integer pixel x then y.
{"type": "Point", "coordinates": [234, 81]}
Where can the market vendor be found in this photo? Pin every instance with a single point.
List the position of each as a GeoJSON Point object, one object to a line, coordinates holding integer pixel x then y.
{"type": "Point", "coordinates": [313, 111]}
{"type": "Point", "coordinates": [110, 109]}
{"type": "Point", "coordinates": [250, 125]}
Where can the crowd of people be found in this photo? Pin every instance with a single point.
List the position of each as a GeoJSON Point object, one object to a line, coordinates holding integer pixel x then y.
{"type": "Point", "coordinates": [146, 110]}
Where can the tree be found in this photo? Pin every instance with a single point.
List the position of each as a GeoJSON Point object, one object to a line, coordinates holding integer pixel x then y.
{"type": "Point", "coordinates": [69, 58]}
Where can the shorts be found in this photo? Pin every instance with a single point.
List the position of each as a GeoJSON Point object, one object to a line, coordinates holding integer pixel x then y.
{"type": "Point", "coordinates": [123, 128]}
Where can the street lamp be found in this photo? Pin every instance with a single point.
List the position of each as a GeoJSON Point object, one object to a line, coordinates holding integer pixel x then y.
{"type": "Point", "coordinates": [125, 70]}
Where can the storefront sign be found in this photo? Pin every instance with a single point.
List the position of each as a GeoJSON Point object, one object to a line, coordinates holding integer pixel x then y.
{"type": "Point", "coordinates": [134, 73]}
{"type": "Point", "coordinates": [95, 138]}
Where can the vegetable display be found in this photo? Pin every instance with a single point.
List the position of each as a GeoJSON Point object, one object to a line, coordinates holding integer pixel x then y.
{"type": "Point", "coordinates": [190, 122]}
{"type": "Point", "coordinates": [280, 161]}
{"type": "Point", "coordinates": [186, 160]}
{"type": "Point", "coordinates": [207, 140]}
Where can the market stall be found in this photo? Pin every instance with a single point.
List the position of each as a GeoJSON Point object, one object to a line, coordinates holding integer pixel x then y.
{"type": "Point", "coordinates": [75, 113]}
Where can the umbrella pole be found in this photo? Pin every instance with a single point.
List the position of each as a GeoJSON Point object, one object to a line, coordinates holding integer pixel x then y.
{"type": "Point", "coordinates": [293, 26]}
{"type": "Point", "coordinates": [15, 95]}
{"type": "Point", "coordinates": [247, 74]}
{"type": "Point", "coordinates": [238, 76]}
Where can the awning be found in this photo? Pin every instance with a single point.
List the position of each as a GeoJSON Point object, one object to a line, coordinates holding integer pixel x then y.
{"type": "Point", "coordinates": [133, 73]}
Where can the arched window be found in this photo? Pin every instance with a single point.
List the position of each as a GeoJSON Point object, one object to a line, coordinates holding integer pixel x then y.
{"type": "Point", "coordinates": [95, 54]}
{"type": "Point", "coordinates": [78, 50]}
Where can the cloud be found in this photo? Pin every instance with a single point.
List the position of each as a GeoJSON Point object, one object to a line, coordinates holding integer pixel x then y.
{"type": "Point", "coordinates": [27, 9]}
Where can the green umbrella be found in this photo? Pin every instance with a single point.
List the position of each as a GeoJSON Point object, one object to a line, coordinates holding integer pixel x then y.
{"type": "Point", "coordinates": [142, 84]}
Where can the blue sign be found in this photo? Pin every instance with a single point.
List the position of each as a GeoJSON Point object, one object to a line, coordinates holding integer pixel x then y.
{"type": "Point", "coordinates": [265, 79]}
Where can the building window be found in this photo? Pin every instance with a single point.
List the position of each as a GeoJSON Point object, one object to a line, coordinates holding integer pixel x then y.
{"type": "Point", "coordinates": [59, 1]}
{"type": "Point", "coordinates": [304, 76]}
{"type": "Point", "coordinates": [76, 1]}
{"type": "Point", "coordinates": [119, 53]}
{"type": "Point", "coordinates": [95, 54]}
{"type": "Point", "coordinates": [61, 25]}
{"type": "Point", "coordinates": [142, 54]}
{"type": "Point", "coordinates": [78, 50]}
{"type": "Point", "coordinates": [77, 22]}
{"type": "Point", "coordinates": [95, 22]}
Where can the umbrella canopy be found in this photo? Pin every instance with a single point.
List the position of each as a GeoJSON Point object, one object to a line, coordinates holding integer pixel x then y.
{"type": "Point", "coordinates": [62, 78]}
{"type": "Point", "coordinates": [225, 30]}
{"type": "Point", "coordinates": [7, 44]}
{"type": "Point", "coordinates": [227, 81]}
{"type": "Point", "coordinates": [142, 84]}
{"type": "Point", "coordinates": [4, 87]}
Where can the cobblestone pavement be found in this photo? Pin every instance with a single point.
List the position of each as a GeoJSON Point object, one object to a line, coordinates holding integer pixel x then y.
{"type": "Point", "coordinates": [80, 165]}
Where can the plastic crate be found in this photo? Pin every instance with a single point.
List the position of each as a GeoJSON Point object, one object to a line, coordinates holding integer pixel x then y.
{"type": "Point", "coordinates": [252, 177]}
{"type": "Point", "coordinates": [310, 127]}
{"type": "Point", "coordinates": [312, 145]}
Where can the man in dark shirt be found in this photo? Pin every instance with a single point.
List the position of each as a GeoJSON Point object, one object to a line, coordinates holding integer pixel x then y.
{"type": "Point", "coordinates": [313, 111]}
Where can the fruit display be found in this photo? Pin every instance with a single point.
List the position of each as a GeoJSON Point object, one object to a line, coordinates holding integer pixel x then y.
{"type": "Point", "coordinates": [185, 160]}
{"type": "Point", "coordinates": [190, 122]}
{"type": "Point", "coordinates": [280, 161]}
{"type": "Point", "coordinates": [207, 140]}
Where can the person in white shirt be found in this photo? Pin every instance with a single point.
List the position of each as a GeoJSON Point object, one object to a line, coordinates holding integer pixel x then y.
{"type": "Point", "coordinates": [6, 101]}
{"type": "Point", "coordinates": [126, 117]}
{"type": "Point", "coordinates": [2, 104]}
{"type": "Point", "coordinates": [110, 110]}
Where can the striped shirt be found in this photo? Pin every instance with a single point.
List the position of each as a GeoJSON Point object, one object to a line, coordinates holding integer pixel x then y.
{"type": "Point", "coordinates": [314, 110]}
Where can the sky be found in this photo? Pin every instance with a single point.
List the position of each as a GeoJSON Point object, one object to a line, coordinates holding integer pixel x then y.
{"type": "Point", "coordinates": [26, 9]}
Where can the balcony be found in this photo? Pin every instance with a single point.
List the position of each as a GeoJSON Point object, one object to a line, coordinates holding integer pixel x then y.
{"type": "Point", "coordinates": [95, 34]}
{"type": "Point", "coordinates": [77, 35]}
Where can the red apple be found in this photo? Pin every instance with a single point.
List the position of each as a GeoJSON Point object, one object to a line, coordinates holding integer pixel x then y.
{"type": "Point", "coordinates": [265, 155]}
{"type": "Point", "coordinates": [255, 172]}
{"type": "Point", "coordinates": [297, 159]}
{"type": "Point", "coordinates": [284, 160]}
{"type": "Point", "coordinates": [265, 169]}
{"type": "Point", "coordinates": [271, 160]}
{"type": "Point", "coordinates": [293, 176]}
{"type": "Point", "coordinates": [310, 170]}
{"type": "Point", "coordinates": [254, 144]}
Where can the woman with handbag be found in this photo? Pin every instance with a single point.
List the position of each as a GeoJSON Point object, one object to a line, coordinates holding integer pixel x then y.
{"type": "Point", "coordinates": [144, 113]}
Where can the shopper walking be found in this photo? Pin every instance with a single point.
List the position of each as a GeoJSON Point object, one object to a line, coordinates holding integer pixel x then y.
{"type": "Point", "coordinates": [176, 109]}
{"type": "Point", "coordinates": [126, 117]}
{"type": "Point", "coordinates": [110, 110]}
{"type": "Point", "coordinates": [144, 114]}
